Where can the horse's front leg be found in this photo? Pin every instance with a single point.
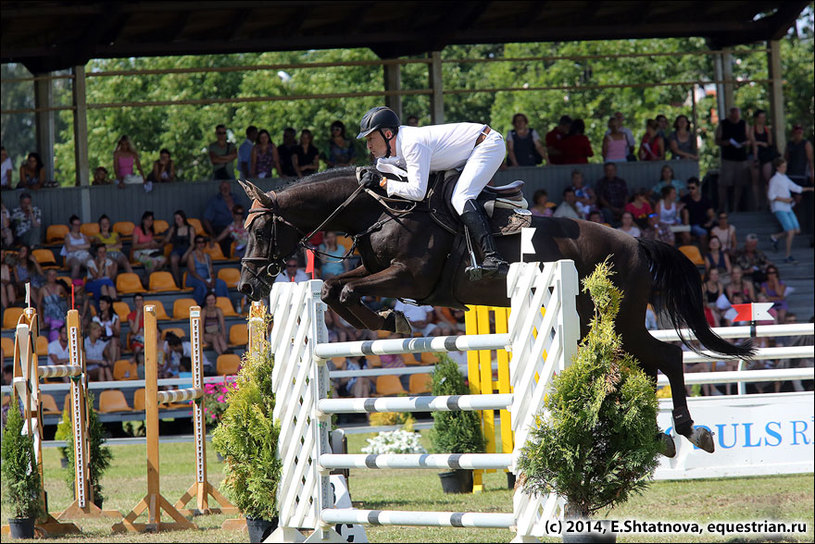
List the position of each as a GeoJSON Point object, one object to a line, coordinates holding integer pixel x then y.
{"type": "Point", "coordinates": [396, 281]}
{"type": "Point", "coordinates": [332, 288]}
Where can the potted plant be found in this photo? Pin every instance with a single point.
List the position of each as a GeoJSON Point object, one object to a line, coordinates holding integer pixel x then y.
{"type": "Point", "coordinates": [247, 439]}
{"type": "Point", "coordinates": [597, 441]}
{"type": "Point", "coordinates": [99, 455]}
{"type": "Point", "coordinates": [454, 432]}
{"type": "Point", "coordinates": [21, 478]}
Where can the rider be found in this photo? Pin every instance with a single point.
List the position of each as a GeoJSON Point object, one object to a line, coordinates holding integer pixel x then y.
{"type": "Point", "coordinates": [477, 148]}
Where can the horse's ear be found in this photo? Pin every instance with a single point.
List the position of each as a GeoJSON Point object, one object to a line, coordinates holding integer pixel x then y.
{"type": "Point", "coordinates": [255, 193]}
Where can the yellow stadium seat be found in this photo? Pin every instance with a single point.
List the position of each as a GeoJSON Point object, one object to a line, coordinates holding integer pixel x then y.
{"type": "Point", "coordinates": [160, 225]}
{"type": "Point", "coordinates": [692, 253]}
{"type": "Point", "coordinates": [49, 404]}
{"type": "Point", "coordinates": [373, 361]}
{"type": "Point", "coordinates": [420, 383]}
{"type": "Point", "coordinates": [213, 249]}
{"type": "Point", "coordinates": [8, 347]}
{"type": "Point", "coordinates": [128, 282]}
{"type": "Point", "coordinates": [10, 317]}
{"type": "Point", "coordinates": [113, 400]}
{"type": "Point", "coordinates": [430, 358]}
{"type": "Point", "coordinates": [122, 310]}
{"type": "Point", "coordinates": [89, 229]}
{"type": "Point", "coordinates": [161, 281]}
{"type": "Point", "coordinates": [196, 225]}
{"type": "Point", "coordinates": [346, 242]}
{"type": "Point", "coordinates": [124, 228]}
{"type": "Point", "coordinates": [66, 280]}
{"type": "Point", "coordinates": [168, 249]}
{"type": "Point", "coordinates": [226, 306]}
{"type": "Point", "coordinates": [56, 233]}
{"type": "Point", "coordinates": [227, 364]}
{"type": "Point", "coordinates": [124, 369]}
{"type": "Point", "coordinates": [238, 334]}
{"type": "Point", "coordinates": [181, 307]}
{"type": "Point", "coordinates": [138, 400]}
{"type": "Point", "coordinates": [161, 313]}
{"type": "Point", "coordinates": [389, 386]}
{"type": "Point", "coordinates": [231, 276]}
{"type": "Point", "coordinates": [45, 257]}
{"type": "Point", "coordinates": [42, 346]}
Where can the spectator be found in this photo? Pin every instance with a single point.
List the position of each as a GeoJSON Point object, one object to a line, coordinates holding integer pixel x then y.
{"type": "Point", "coordinates": [577, 147]}
{"type": "Point", "coordinates": [264, 156]}
{"type": "Point", "coordinates": [698, 211]}
{"type": "Point", "coordinates": [6, 234]}
{"type": "Point", "coordinates": [9, 295]}
{"type": "Point", "coordinates": [733, 137]}
{"type": "Point", "coordinates": [245, 152]}
{"type": "Point", "coordinates": [286, 151]}
{"type": "Point", "coordinates": [775, 290]}
{"type": "Point", "coordinates": [218, 213]}
{"type": "Point", "coordinates": [739, 286]}
{"type": "Point", "coordinates": [6, 167]}
{"type": "Point", "coordinates": [712, 290]}
{"type": "Point", "coordinates": [799, 157]}
{"type": "Point", "coordinates": [628, 226]}
{"type": "Point", "coordinates": [341, 151]}
{"type": "Point", "coordinates": [32, 173]}
{"type": "Point", "coordinates": [725, 233]}
{"type": "Point", "coordinates": [652, 146]}
{"type": "Point", "coordinates": [615, 143]}
{"type": "Point", "coordinates": [763, 152]}
{"type": "Point", "coordinates": [596, 217]}
{"type": "Point", "coordinates": [180, 236]}
{"type": "Point", "coordinates": [178, 357]}
{"type": "Point", "coordinates": [662, 126]}
{"type": "Point", "coordinates": [639, 207]}
{"type": "Point", "coordinates": [135, 321]}
{"type": "Point", "coordinates": [100, 176]}
{"type": "Point", "coordinates": [235, 232]}
{"type": "Point", "coordinates": [585, 199]}
{"type": "Point", "coordinates": [306, 159]}
{"type": "Point", "coordinates": [147, 245]}
{"type": "Point", "coordinates": [111, 327]}
{"type": "Point", "coordinates": [541, 206]}
{"type": "Point", "coordinates": [612, 194]}
{"type": "Point", "coordinates": [666, 178]}
{"type": "Point", "coordinates": [780, 198]}
{"type": "Point", "coordinates": [97, 355]}
{"type": "Point", "coordinates": [82, 302]}
{"type": "Point", "coordinates": [125, 157]}
{"type": "Point", "coordinates": [222, 155]}
{"type": "Point", "coordinates": [200, 274]}
{"type": "Point", "coordinates": [629, 136]}
{"type": "Point", "coordinates": [752, 260]}
{"type": "Point", "coordinates": [420, 317]}
{"type": "Point", "coordinates": [53, 304]}
{"type": "Point", "coordinates": [101, 273]}
{"type": "Point", "coordinates": [716, 257]}
{"type": "Point", "coordinates": [668, 209]}
{"type": "Point", "coordinates": [681, 141]}
{"type": "Point", "coordinates": [163, 168]}
{"type": "Point", "coordinates": [110, 239]}
{"type": "Point", "coordinates": [292, 273]}
{"type": "Point", "coordinates": [27, 221]}
{"type": "Point", "coordinates": [554, 140]}
{"type": "Point", "coordinates": [332, 254]}
{"type": "Point", "coordinates": [656, 230]}
{"type": "Point", "coordinates": [568, 208]}
{"type": "Point", "coordinates": [412, 121]}
{"type": "Point", "coordinates": [214, 326]}
{"type": "Point", "coordinates": [356, 386]}
{"type": "Point", "coordinates": [76, 246]}
{"type": "Point", "coordinates": [58, 351]}
{"type": "Point", "coordinates": [524, 146]}
{"type": "Point", "coordinates": [28, 270]}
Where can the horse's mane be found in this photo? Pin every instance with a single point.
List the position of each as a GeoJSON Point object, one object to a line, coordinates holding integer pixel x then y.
{"type": "Point", "coordinates": [328, 175]}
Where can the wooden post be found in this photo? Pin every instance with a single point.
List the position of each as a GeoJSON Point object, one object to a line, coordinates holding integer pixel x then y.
{"type": "Point", "coordinates": [778, 120]}
{"type": "Point", "coordinates": [393, 82]}
{"type": "Point", "coordinates": [437, 98]}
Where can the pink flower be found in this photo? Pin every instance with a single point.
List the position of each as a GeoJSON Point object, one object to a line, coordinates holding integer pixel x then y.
{"type": "Point", "coordinates": [221, 398]}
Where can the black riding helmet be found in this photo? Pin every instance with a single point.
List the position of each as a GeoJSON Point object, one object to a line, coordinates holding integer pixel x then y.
{"type": "Point", "coordinates": [379, 118]}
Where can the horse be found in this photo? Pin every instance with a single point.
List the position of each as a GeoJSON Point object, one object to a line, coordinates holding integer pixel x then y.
{"type": "Point", "coordinates": [406, 254]}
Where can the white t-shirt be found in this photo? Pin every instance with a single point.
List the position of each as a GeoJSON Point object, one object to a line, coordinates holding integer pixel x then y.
{"type": "Point", "coordinates": [434, 148]}
{"type": "Point", "coordinates": [781, 186]}
{"type": "Point", "coordinates": [299, 276]}
{"type": "Point", "coordinates": [634, 231]}
{"type": "Point", "coordinates": [56, 349]}
{"type": "Point", "coordinates": [5, 172]}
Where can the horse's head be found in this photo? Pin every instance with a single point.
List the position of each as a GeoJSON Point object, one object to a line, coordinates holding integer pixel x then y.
{"type": "Point", "coordinates": [272, 239]}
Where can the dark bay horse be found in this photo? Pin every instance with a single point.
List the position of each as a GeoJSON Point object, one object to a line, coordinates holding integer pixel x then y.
{"type": "Point", "coordinates": [408, 255]}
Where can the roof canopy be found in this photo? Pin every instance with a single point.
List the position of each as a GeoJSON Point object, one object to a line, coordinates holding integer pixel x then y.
{"type": "Point", "coordinates": [52, 35]}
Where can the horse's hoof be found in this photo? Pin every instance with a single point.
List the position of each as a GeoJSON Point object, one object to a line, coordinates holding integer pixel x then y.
{"type": "Point", "coordinates": [668, 445]}
{"type": "Point", "coordinates": [703, 439]}
{"type": "Point", "coordinates": [396, 322]}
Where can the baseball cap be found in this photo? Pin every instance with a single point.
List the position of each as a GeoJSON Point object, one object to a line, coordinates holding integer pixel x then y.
{"type": "Point", "coordinates": [752, 237]}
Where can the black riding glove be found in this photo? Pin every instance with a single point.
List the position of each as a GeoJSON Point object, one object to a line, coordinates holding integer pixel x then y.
{"type": "Point", "coordinates": [370, 179]}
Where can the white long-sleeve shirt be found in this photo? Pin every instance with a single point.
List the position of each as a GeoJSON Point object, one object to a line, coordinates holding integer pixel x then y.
{"type": "Point", "coordinates": [421, 150]}
{"type": "Point", "coordinates": [781, 186]}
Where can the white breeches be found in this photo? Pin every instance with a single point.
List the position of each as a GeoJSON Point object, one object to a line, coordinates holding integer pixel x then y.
{"type": "Point", "coordinates": [482, 164]}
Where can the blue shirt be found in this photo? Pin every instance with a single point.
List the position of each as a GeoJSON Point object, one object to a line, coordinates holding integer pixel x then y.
{"type": "Point", "coordinates": [218, 213]}
{"type": "Point", "coordinates": [245, 156]}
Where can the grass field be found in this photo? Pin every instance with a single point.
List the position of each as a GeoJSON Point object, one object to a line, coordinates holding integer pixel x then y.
{"type": "Point", "coordinates": [782, 498]}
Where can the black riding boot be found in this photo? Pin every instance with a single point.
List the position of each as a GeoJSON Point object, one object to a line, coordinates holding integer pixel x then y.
{"type": "Point", "coordinates": [492, 264]}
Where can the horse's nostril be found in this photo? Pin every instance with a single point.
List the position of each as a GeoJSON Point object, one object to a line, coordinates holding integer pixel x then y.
{"type": "Point", "coordinates": [246, 289]}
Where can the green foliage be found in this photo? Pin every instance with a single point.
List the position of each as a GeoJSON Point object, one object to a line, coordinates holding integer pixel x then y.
{"type": "Point", "coordinates": [247, 438]}
{"type": "Point", "coordinates": [99, 454]}
{"type": "Point", "coordinates": [597, 441]}
{"type": "Point", "coordinates": [21, 478]}
{"type": "Point", "coordinates": [454, 432]}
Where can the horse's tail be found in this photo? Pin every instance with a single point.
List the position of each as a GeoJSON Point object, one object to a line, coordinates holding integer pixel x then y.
{"type": "Point", "coordinates": [676, 279]}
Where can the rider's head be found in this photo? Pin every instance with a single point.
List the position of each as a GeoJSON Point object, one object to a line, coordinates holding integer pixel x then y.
{"type": "Point", "coordinates": [379, 127]}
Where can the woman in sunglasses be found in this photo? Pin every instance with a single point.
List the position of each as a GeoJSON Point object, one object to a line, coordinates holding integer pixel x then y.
{"type": "Point", "coordinates": [200, 275]}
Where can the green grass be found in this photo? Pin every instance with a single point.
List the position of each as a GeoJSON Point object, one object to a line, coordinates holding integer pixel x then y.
{"type": "Point", "coordinates": [783, 498]}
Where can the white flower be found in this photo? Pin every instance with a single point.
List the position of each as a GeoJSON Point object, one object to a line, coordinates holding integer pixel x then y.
{"type": "Point", "coordinates": [399, 441]}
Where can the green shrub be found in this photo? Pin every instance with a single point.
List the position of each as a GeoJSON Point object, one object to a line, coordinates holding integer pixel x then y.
{"type": "Point", "coordinates": [596, 442]}
{"type": "Point", "coordinates": [454, 432]}
{"type": "Point", "coordinates": [247, 439]}
{"type": "Point", "coordinates": [21, 477]}
{"type": "Point", "coordinates": [99, 455]}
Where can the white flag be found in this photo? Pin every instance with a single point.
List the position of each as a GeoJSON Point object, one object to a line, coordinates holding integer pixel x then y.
{"type": "Point", "coordinates": [527, 247]}
{"type": "Point", "coordinates": [28, 294]}
{"type": "Point", "coordinates": [761, 311]}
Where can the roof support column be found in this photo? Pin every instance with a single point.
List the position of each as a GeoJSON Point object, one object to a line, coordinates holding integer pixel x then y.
{"type": "Point", "coordinates": [778, 120]}
{"type": "Point", "coordinates": [393, 82]}
{"type": "Point", "coordinates": [727, 65]}
{"type": "Point", "coordinates": [81, 141]}
{"type": "Point", "coordinates": [718, 76]}
{"type": "Point", "coordinates": [437, 98]}
{"type": "Point", "coordinates": [44, 122]}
